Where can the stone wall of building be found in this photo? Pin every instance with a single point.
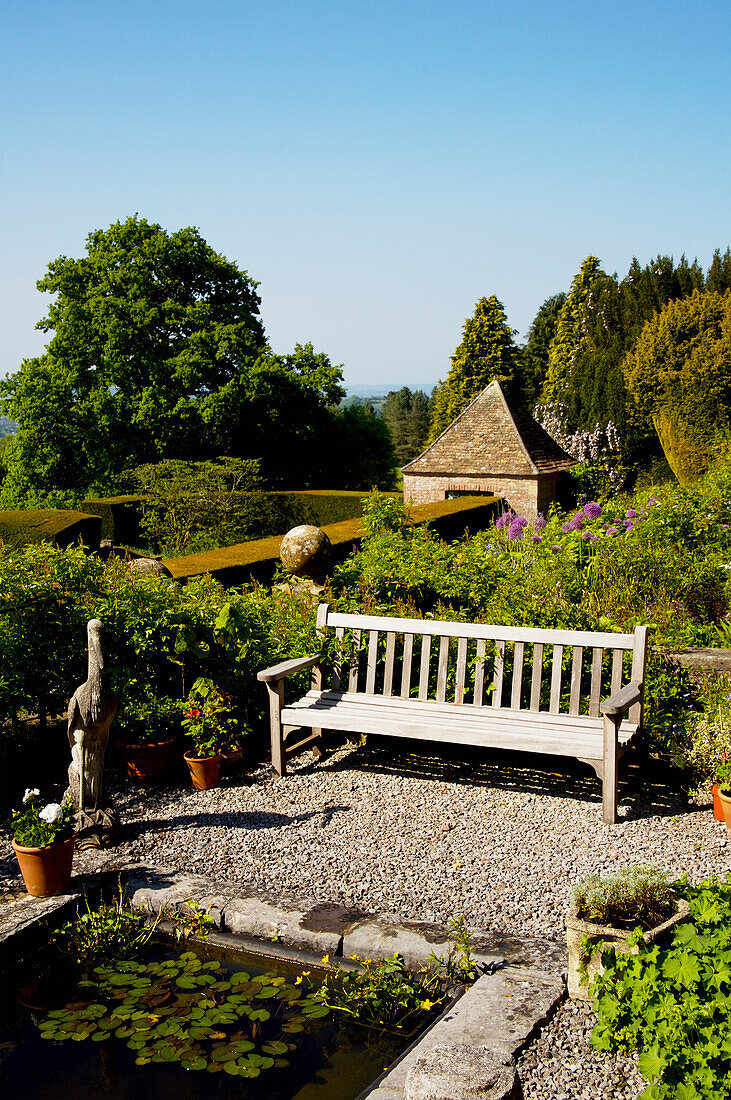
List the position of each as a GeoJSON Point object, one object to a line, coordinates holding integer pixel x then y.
{"type": "Point", "coordinates": [527, 496]}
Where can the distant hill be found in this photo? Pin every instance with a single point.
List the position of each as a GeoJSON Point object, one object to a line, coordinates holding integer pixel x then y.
{"type": "Point", "coordinates": [7, 427]}
{"type": "Point", "coordinates": [381, 389]}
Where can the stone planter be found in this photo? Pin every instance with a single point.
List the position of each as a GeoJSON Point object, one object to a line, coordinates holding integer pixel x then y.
{"type": "Point", "coordinates": [603, 936]}
{"type": "Point", "coordinates": [204, 771]}
{"type": "Point", "coordinates": [46, 871]}
{"type": "Point", "coordinates": [724, 798]}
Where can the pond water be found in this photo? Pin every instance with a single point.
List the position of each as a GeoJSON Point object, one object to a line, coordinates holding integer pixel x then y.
{"type": "Point", "coordinates": [328, 1062]}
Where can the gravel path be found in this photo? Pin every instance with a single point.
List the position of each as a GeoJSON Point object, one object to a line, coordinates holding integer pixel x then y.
{"type": "Point", "coordinates": [425, 839]}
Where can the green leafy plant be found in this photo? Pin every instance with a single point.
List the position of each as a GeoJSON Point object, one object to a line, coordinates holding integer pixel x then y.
{"type": "Point", "coordinates": [37, 826]}
{"type": "Point", "coordinates": [458, 966]}
{"type": "Point", "coordinates": [192, 921]}
{"type": "Point", "coordinates": [208, 718]}
{"type": "Point", "coordinates": [147, 718]}
{"type": "Point", "coordinates": [188, 1011]}
{"type": "Point", "coordinates": [383, 994]}
{"type": "Point", "coordinates": [634, 896]}
{"type": "Point", "coordinates": [673, 1005]}
{"type": "Point", "coordinates": [108, 932]}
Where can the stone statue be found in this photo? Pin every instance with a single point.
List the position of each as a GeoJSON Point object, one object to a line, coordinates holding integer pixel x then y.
{"type": "Point", "coordinates": [92, 709]}
{"type": "Point", "coordinates": [305, 553]}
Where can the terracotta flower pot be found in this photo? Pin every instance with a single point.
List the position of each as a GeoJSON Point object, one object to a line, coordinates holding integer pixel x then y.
{"type": "Point", "coordinates": [725, 800]}
{"type": "Point", "coordinates": [602, 937]}
{"type": "Point", "coordinates": [46, 871]}
{"type": "Point", "coordinates": [204, 772]}
{"type": "Point", "coordinates": [717, 804]}
{"type": "Point", "coordinates": [145, 762]}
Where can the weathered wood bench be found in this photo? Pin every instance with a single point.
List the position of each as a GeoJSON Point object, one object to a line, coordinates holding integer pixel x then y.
{"type": "Point", "coordinates": [465, 683]}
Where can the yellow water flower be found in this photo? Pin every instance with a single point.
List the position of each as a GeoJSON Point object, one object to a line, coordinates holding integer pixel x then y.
{"type": "Point", "coordinates": [325, 959]}
{"type": "Point", "coordinates": [427, 1005]}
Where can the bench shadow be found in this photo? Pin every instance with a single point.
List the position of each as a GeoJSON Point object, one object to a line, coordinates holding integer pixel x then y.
{"type": "Point", "coordinates": [652, 793]}
{"type": "Point", "coordinates": [236, 820]}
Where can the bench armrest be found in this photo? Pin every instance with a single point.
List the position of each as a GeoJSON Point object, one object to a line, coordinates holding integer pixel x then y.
{"type": "Point", "coordinates": [622, 700]}
{"type": "Point", "coordinates": [287, 668]}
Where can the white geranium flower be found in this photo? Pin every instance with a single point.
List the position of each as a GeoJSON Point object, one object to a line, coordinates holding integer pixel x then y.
{"type": "Point", "coordinates": [30, 793]}
{"type": "Point", "coordinates": [51, 813]}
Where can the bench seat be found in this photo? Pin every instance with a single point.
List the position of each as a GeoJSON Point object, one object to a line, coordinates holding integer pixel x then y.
{"type": "Point", "coordinates": [553, 734]}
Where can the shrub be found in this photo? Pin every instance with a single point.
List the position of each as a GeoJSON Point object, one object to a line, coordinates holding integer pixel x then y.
{"type": "Point", "coordinates": [635, 895]}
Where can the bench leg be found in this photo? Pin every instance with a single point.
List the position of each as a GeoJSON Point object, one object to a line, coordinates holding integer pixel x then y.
{"type": "Point", "coordinates": [609, 772]}
{"type": "Point", "coordinates": [317, 745]}
{"type": "Point", "coordinates": [276, 701]}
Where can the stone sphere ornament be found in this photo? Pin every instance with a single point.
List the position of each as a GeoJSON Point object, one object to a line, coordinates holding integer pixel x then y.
{"type": "Point", "coordinates": [305, 551]}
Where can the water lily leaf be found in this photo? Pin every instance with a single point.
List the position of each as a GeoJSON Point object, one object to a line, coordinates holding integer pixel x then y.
{"type": "Point", "coordinates": [292, 1029]}
{"type": "Point", "coordinates": [317, 1012]}
{"type": "Point", "coordinates": [266, 992]}
{"type": "Point", "coordinates": [217, 1035]}
{"type": "Point", "coordinates": [79, 1036]}
{"type": "Point", "coordinates": [188, 956]}
{"type": "Point", "coordinates": [231, 1068]}
{"type": "Point", "coordinates": [275, 1046]}
{"type": "Point", "coordinates": [193, 1063]}
{"type": "Point", "coordinates": [121, 979]}
{"type": "Point", "coordinates": [221, 986]}
{"type": "Point", "coordinates": [124, 1032]}
{"type": "Point", "coordinates": [281, 1063]}
{"type": "Point", "coordinates": [215, 1067]}
{"type": "Point", "coordinates": [142, 1060]}
{"type": "Point", "coordinates": [212, 964]}
{"type": "Point", "coordinates": [100, 1036]}
{"type": "Point", "coordinates": [258, 1014]}
{"type": "Point", "coordinates": [198, 1032]}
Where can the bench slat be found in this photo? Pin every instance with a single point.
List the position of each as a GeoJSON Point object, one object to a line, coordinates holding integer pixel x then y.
{"type": "Point", "coordinates": [479, 672]}
{"type": "Point", "coordinates": [406, 666]}
{"type": "Point", "coordinates": [556, 671]}
{"type": "Point", "coordinates": [372, 662]}
{"type": "Point", "coordinates": [497, 680]}
{"type": "Point", "coordinates": [424, 666]}
{"type": "Point", "coordinates": [517, 675]}
{"type": "Point", "coordinates": [461, 669]}
{"type": "Point", "coordinates": [536, 677]}
{"type": "Point", "coordinates": [442, 668]}
{"type": "Point", "coordinates": [337, 663]}
{"type": "Point", "coordinates": [577, 660]}
{"type": "Point", "coordinates": [388, 667]}
{"type": "Point", "coordinates": [597, 661]}
{"type": "Point", "coordinates": [354, 662]}
{"type": "Point", "coordinates": [617, 656]}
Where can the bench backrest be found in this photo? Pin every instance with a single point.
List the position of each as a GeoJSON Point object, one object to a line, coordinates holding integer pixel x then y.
{"type": "Point", "coordinates": [479, 664]}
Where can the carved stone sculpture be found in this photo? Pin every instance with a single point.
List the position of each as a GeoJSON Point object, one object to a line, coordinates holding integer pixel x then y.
{"type": "Point", "coordinates": [305, 552]}
{"type": "Point", "coordinates": [92, 709]}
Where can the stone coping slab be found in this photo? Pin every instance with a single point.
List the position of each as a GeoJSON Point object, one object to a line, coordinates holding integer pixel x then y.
{"type": "Point", "coordinates": [522, 982]}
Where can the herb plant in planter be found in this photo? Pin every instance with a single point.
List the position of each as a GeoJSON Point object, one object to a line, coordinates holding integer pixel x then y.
{"type": "Point", "coordinates": [604, 914]}
{"type": "Point", "coordinates": [147, 729]}
{"type": "Point", "coordinates": [43, 842]}
{"type": "Point", "coordinates": [209, 722]}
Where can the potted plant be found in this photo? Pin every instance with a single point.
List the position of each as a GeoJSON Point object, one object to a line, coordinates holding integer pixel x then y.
{"type": "Point", "coordinates": [613, 914]}
{"type": "Point", "coordinates": [724, 796]}
{"type": "Point", "coordinates": [209, 722]}
{"type": "Point", "coordinates": [147, 729]}
{"type": "Point", "coordinates": [707, 755]}
{"type": "Point", "coordinates": [43, 842]}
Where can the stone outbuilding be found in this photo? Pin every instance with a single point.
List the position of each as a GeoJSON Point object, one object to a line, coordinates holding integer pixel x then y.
{"type": "Point", "coordinates": [493, 448]}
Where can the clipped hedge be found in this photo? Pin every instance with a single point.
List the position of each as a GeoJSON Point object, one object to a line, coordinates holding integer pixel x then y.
{"type": "Point", "coordinates": [61, 527]}
{"type": "Point", "coordinates": [120, 517]}
{"type": "Point", "coordinates": [233, 565]}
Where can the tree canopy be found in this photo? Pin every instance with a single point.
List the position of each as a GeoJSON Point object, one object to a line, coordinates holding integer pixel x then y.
{"type": "Point", "coordinates": [679, 373]}
{"type": "Point", "coordinates": [406, 414]}
{"type": "Point", "coordinates": [487, 351]}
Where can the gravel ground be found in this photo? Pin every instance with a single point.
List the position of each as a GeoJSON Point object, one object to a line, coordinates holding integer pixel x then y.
{"type": "Point", "coordinates": [427, 838]}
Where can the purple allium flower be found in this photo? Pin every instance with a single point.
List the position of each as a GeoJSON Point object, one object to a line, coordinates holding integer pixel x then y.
{"type": "Point", "coordinates": [566, 527]}
{"type": "Point", "coordinates": [540, 523]}
{"type": "Point", "coordinates": [593, 538]}
{"type": "Point", "coordinates": [611, 531]}
{"type": "Point", "coordinates": [556, 548]}
{"type": "Point", "coordinates": [592, 510]}
{"type": "Point", "coordinates": [515, 531]}
{"type": "Point", "coordinates": [628, 523]}
{"type": "Point", "coordinates": [577, 522]}
{"type": "Point", "coordinates": [536, 538]}
{"type": "Point", "coordinates": [586, 535]}
{"type": "Point", "coordinates": [630, 513]}
{"type": "Point", "coordinates": [504, 519]}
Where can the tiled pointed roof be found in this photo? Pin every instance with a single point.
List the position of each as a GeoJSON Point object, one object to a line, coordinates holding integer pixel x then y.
{"type": "Point", "coordinates": [493, 437]}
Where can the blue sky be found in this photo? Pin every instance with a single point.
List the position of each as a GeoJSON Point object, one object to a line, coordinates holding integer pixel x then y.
{"type": "Point", "coordinates": [377, 167]}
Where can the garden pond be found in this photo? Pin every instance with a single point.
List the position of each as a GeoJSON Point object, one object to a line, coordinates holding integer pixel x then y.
{"type": "Point", "coordinates": [189, 1026]}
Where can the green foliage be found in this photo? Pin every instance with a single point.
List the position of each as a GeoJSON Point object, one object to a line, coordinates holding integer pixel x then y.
{"type": "Point", "coordinates": [704, 749]}
{"type": "Point", "coordinates": [190, 1012]}
{"type": "Point", "coordinates": [487, 351]}
{"type": "Point", "coordinates": [191, 920]}
{"type": "Point", "coordinates": [633, 896]}
{"type": "Point", "coordinates": [37, 826]}
{"type": "Point", "coordinates": [537, 345]}
{"type": "Point", "coordinates": [680, 374]}
{"type": "Point", "coordinates": [146, 717]}
{"type": "Point", "coordinates": [383, 994]}
{"type": "Point", "coordinates": [63, 527]}
{"type": "Point", "coordinates": [208, 719]}
{"type": "Point", "coordinates": [459, 966]}
{"type": "Point", "coordinates": [673, 1005]}
{"type": "Point", "coordinates": [569, 330]}
{"type": "Point", "coordinates": [407, 415]}
{"type": "Point", "coordinates": [105, 934]}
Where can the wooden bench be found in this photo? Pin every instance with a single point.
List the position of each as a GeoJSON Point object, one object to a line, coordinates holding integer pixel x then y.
{"type": "Point", "coordinates": [503, 687]}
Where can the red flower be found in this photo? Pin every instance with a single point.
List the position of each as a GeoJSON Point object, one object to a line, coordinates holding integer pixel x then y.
{"type": "Point", "coordinates": [193, 713]}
